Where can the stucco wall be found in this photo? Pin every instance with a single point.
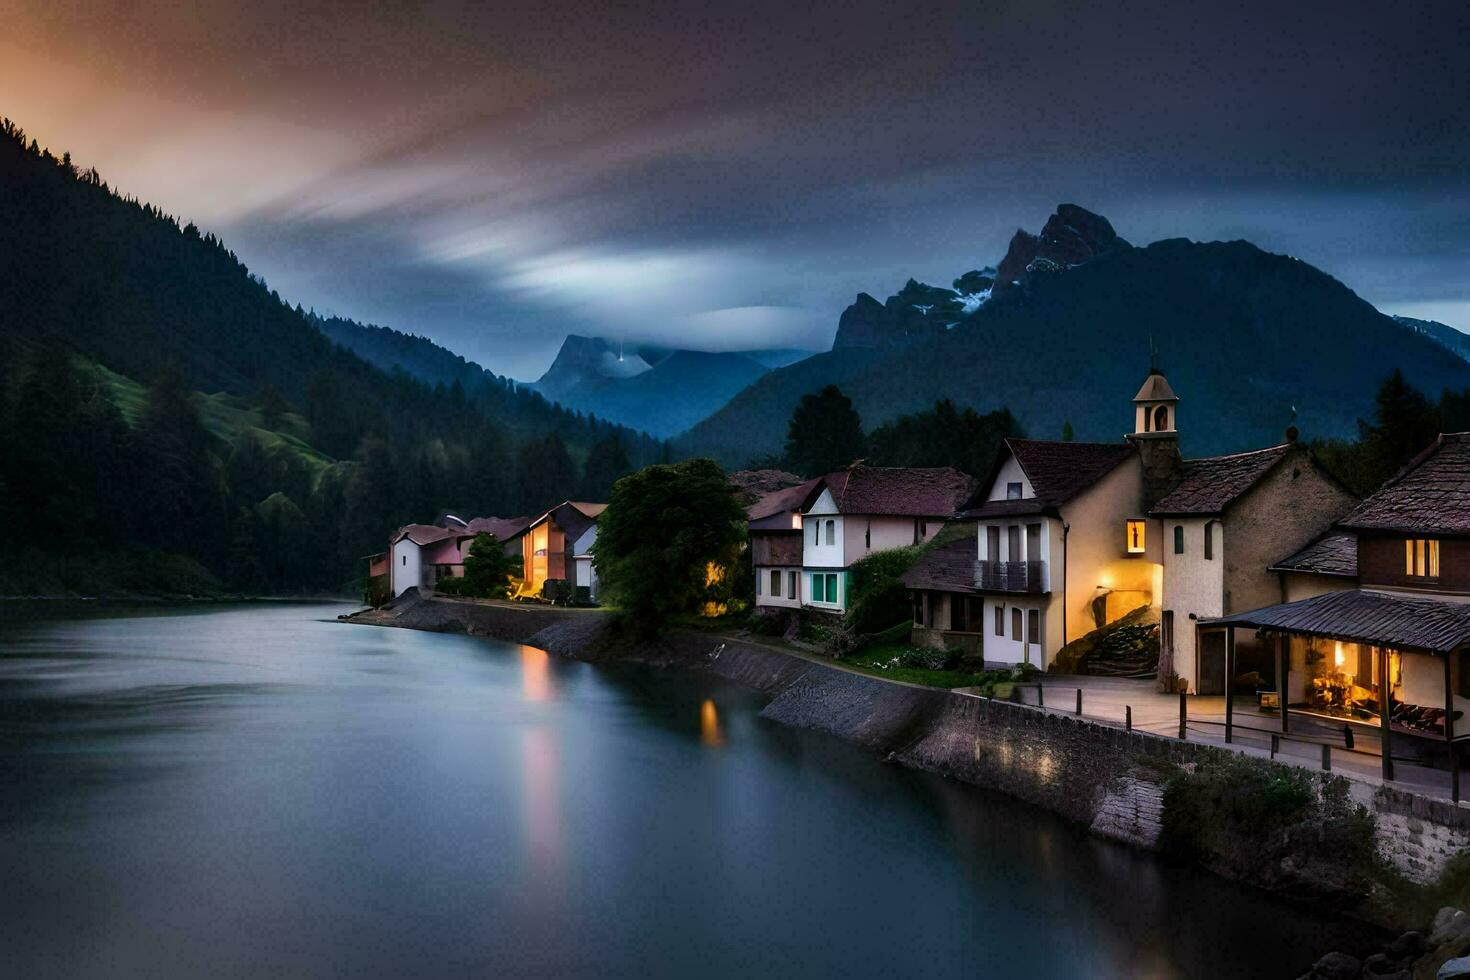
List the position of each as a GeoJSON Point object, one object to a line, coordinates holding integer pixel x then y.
{"type": "Point", "coordinates": [407, 568]}
{"type": "Point", "coordinates": [1303, 585]}
{"type": "Point", "coordinates": [764, 597]}
{"type": "Point", "coordinates": [1194, 587]}
{"type": "Point", "coordinates": [864, 535]}
{"type": "Point", "coordinates": [1293, 504]}
{"type": "Point", "coordinates": [1010, 472]}
{"type": "Point", "coordinates": [1097, 561]}
{"type": "Point", "coordinates": [816, 552]}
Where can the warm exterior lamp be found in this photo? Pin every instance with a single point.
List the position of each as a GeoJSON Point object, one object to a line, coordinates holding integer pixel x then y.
{"type": "Point", "coordinates": [1337, 657]}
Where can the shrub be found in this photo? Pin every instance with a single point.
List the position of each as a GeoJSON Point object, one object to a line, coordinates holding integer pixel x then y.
{"type": "Point", "coordinates": [488, 569]}
{"type": "Point", "coordinates": [876, 598]}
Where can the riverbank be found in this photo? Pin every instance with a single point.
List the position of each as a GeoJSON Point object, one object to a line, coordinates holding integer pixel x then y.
{"type": "Point", "coordinates": [1117, 783]}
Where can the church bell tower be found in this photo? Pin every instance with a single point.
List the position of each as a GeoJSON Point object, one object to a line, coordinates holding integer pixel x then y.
{"type": "Point", "coordinates": [1156, 434]}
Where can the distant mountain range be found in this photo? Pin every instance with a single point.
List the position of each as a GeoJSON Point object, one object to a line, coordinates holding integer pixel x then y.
{"type": "Point", "coordinates": [1061, 331]}
{"type": "Point", "coordinates": [656, 389]}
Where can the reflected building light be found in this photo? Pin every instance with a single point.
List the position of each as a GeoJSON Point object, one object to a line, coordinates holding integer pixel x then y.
{"type": "Point", "coordinates": [541, 808]}
{"type": "Point", "coordinates": [710, 732]}
{"type": "Point", "coordinates": [536, 675]}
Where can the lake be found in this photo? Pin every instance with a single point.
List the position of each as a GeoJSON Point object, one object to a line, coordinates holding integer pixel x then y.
{"type": "Point", "coordinates": [257, 789]}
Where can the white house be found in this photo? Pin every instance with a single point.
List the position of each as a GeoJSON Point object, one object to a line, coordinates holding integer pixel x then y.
{"type": "Point", "coordinates": [856, 512]}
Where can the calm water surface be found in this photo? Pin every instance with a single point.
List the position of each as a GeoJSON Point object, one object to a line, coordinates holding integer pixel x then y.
{"type": "Point", "coordinates": [259, 790]}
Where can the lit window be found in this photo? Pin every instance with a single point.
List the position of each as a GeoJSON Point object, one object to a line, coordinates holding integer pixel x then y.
{"type": "Point", "coordinates": [1421, 557]}
{"type": "Point", "coordinates": [1135, 537]}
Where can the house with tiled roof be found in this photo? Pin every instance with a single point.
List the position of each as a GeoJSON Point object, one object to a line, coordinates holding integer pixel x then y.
{"type": "Point", "coordinates": [1073, 536]}
{"type": "Point", "coordinates": [850, 514]}
{"type": "Point", "coordinates": [419, 555]}
{"type": "Point", "coordinates": [776, 544]}
{"type": "Point", "coordinates": [1224, 525]}
{"type": "Point", "coordinates": [1389, 648]}
{"type": "Point", "coordinates": [557, 546]}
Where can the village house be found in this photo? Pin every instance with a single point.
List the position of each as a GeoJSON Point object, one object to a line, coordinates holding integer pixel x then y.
{"type": "Point", "coordinates": [776, 545]}
{"type": "Point", "coordinates": [1073, 536]}
{"type": "Point", "coordinates": [1391, 650]}
{"type": "Point", "coordinates": [420, 555]}
{"type": "Point", "coordinates": [1061, 547]}
{"type": "Point", "coordinates": [853, 513]}
{"type": "Point", "coordinates": [1222, 526]}
{"type": "Point", "coordinates": [558, 546]}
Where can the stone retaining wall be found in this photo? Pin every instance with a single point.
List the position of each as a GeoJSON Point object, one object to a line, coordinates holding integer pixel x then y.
{"type": "Point", "coordinates": [1096, 775]}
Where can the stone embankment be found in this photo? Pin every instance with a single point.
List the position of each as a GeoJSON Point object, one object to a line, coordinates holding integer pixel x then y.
{"type": "Point", "coordinates": [1103, 777]}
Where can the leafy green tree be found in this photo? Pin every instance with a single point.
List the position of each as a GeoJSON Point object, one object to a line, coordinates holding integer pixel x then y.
{"type": "Point", "coordinates": [825, 433]}
{"type": "Point", "coordinates": [488, 569]}
{"type": "Point", "coordinates": [665, 528]}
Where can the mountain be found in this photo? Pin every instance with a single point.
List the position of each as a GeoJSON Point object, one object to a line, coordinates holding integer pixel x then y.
{"type": "Point", "coordinates": [657, 390]}
{"type": "Point", "coordinates": [1244, 335]}
{"type": "Point", "coordinates": [1441, 333]}
{"type": "Point", "coordinates": [170, 423]}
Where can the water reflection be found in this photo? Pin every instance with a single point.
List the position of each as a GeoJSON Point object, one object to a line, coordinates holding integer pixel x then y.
{"type": "Point", "coordinates": [540, 804]}
{"type": "Point", "coordinates": [710, 732]}
{"type": "Point", "coordinates": [536, 683]}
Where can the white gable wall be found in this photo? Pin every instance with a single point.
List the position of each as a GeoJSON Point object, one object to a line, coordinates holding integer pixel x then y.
{"type": "Point", "coordinates": [405, 567]}
{"type": "Point", "coordinates": [1010, 472]}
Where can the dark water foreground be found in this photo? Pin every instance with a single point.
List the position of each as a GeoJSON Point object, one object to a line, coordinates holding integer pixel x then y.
{"type": "Point", "coordinates": [259, 790]}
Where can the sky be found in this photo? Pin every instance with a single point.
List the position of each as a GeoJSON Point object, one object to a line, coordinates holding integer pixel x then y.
{"type": "Point", "coordinates": [729, 176]}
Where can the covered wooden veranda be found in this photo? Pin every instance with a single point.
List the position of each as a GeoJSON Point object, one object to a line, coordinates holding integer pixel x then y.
{"type": "Point", "coordinates": [1362, 657]}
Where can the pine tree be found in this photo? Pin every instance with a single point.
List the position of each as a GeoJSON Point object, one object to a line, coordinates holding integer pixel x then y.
{"type": "Point", "coordinates": [825, 433]}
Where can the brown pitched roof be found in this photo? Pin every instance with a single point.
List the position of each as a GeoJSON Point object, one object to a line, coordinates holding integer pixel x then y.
{"type": "Point", "coordinates": [900, 491]}
{"type": "Point", "coordinates": [504, 528]}
{"type": "Point", "coordinates": [1057, 471]}
{"type": "Point", "coordinates": [1334, 553]}
{"type": "Point", "coordinates": [947, 568]}
{"type": "Point", "coordinates": [422, 534]}
{"type": "Point", "coordinates": [755, 484]}
{"type": "Point", "coordinates": [1212, 484]}
{"type": "Point", "coordinates": [1155, 389]}
{"type": "Point", "coordinates": [780, 501]}
{"type": "Point", "coordinates": [1406, 622]}
{"type": "Point", "coordinates": [1430, 494]}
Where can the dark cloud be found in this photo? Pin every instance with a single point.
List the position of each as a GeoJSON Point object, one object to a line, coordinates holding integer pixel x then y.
{"type": "Point", "coordinates": [724, 174]}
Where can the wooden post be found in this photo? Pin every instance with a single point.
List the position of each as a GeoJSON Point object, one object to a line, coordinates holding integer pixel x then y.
{"type": "Point", "coordinates": [1326, 756]}
{"type": "Point", "coordinates": [1183, 717]}
{"type": "Point", "coordinates": [1128, 717]}
{"type": "Point", "coordinates": [1449, 726]}
{"type": "Point", "coordinates": [1229, 682]}
{"type": "Point", "coordinates": [1347, 736]}
{"type": "Point", "coordinates": [1275, 745]}
{"type": "Point", "coordinates": [1283, 671]}
{"type": "Point", "coordinates": [1079, 700]}
{"type": "Point", "coordinates": [1383, 713]}
{"type": "Point", "coordinates": [1040, 698]}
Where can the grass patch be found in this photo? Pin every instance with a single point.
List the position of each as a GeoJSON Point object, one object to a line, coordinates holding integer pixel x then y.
{"type": "Point", "coordinates": [929, 667]}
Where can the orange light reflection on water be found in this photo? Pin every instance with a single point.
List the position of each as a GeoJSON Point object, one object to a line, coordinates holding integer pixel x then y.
{"type": "Point", "coordinates": [536, 675]}
{"type": "Point", "coordinates": [710, 732]}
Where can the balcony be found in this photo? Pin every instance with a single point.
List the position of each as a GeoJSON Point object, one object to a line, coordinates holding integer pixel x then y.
{"type": "Point", "coordinates": [1010, 576]}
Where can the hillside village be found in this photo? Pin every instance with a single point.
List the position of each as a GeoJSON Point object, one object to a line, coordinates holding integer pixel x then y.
{"type": "Point", "coordinates": [1254, 574]}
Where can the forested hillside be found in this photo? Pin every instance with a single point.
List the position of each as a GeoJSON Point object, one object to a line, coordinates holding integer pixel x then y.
{"type": "Point", "coordinates": [169, 423]}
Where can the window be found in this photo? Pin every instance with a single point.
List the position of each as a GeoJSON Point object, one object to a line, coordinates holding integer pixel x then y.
{"type": "Point", "coordinates": [831, 532]}
{"type": "Point", "coordinates": [775, 585]}
{"type": "Point", "coordinates": [1209, 540]}
{"type": "Point", "coordinates": [957, 620]}
{"type": "Point", "coordinates": [1033, 626]}
{"type": "Point", "coordinates": [992, 543]}
{"type": "Point", "coordinates": [1178, 539]}
{"type": "Point", "coordinates": [816, 532]}
{"type": "Point", "coordinates": [1421, 558]}
{"type": "Point", "coordinates": [1033, 542]}
{"type": "Point", "coordinates": [405, 560]}
{"type": "Point", "coordinates": [790, 585]}
{"type": "Point", "coordinates": [1015, 622]}
{"type": "Point", "coordinates": [831, 587]}
{"type": "Point", "coordinates": [1013, 543]}
{"type": "Point", "coordinates": [1000, 620]}
{"type": "Point", "coordinates": [1135, 537]}
{"type": "Point", "coordinates": [819, 594]}
{"type": "Point", "coordinates": [824, 587]}
{"type": "Point", "coordinates": [757, 583]}
{"type": "Point", "coordinates": [1013, 491]}
{"type": "Point", "coordinates": [1161, 419]}
{"type": "Point", "coordinates": [1166, 632]}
